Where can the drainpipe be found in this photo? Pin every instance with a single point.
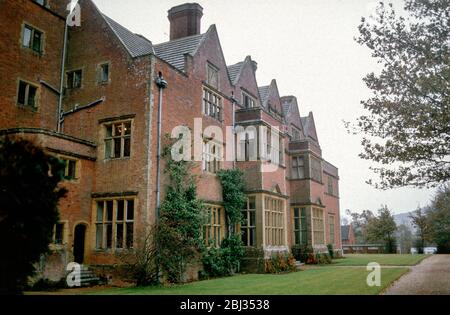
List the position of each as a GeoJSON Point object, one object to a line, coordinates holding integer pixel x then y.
{"type": "Point", "coordinates": [162, 84]}
{"type": "Point", "coordinates": [233, 100]}
{"type": "Point", "coordinates": [61, 86]}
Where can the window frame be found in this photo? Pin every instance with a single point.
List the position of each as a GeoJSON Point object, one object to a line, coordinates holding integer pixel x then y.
{"type": "Point", "coordinates": [72, 81]}
{"type": "Point", "coordinates": [245, 96]}
{"type": "Point", "coordinates": [212, 104]}
{"type": "Point", "coordinates": [296, 166]}
{"type": "Point", "coordinates": [114, 222]}
{"type": "Point", "coordinates": [300, 233]}
{"type": "Point", "coordinates": [316, 223]}
{"type": "Point", "coordinates": [31, 44]}
{"type": "Point", "coordinates": [332, 223]}
{"type": "Point", "coordinates": [123, 137]}
{"type": "Point", "coordinates": [100, 68]}
{"type": "Point", "coordinates": [248, 230]}
{"type": "Point", "coordinates": [213, 230]}
{"type": "Point", "coordinates": [210, 68]}
{"type": "Point", "coordinates": [212, 161]}
{"type": "Point", "coordinates": [274, 221]}
{"type": "Point", "coordinates": [26, 96]}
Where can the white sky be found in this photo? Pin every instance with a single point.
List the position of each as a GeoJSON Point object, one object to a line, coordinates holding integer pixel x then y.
{"type": "Point", "coordinates": [308, 47]}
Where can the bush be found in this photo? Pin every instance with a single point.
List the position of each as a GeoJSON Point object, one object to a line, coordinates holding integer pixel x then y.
{"type": "Point", "coordinates": [301, 252]}
{"type": "Point", "coordinates": [29, 196]}
{"type": "Point", "coordinates": [47, 285]}
{"type": "Point", "coordinates": [323, 259]}
{"type": "Point", "coordinates": [280, 262]}
{"type": "Point", "coordinates": [331, 250]}
{"type": "Point", "coordinates": [223, 261]}
{"type": "Point", "coordinates": [318, 259]}
{"type": "Point", "coordinates": [139, 264]}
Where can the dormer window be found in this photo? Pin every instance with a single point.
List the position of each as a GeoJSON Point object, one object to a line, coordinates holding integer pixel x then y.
{"type": "Point", "coordinates": [248, 101]}
{"type": "Point", "coordinates": [212, 76]}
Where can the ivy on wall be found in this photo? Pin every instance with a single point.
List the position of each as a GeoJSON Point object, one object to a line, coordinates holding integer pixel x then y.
{"type": "Point", "coordinates": [225, 260]}
{"type": "Point", "coordinates": [178, 235]}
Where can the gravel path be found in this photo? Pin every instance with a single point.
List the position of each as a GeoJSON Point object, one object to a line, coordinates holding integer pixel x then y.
{"type": "Point", "coordinates": [431, 276]}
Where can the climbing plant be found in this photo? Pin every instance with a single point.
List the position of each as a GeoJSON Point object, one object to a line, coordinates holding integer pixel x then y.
{"type": "Point", "coordinates": [234, 197]}
{"type": "Point", "coordinates": [225, 260]}
{"type": "Point", "coordinates": [178, 235]}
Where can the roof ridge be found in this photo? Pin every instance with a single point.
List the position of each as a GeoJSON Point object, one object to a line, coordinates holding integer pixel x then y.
{"type": "Point", "coordinates": [109, 20]}
{"type": "Point", "coordinates": [179, 39]}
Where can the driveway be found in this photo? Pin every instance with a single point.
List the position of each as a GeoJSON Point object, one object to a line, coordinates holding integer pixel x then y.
{"type": "Point", "coordinates": [431, 276]}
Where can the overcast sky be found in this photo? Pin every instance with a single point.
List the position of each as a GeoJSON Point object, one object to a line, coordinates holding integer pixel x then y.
{"type": "Point", "coordinates": [308, 47]}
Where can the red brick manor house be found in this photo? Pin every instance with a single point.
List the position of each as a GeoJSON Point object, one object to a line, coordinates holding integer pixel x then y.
{"type": "Point", "coordinates": [90, 95]}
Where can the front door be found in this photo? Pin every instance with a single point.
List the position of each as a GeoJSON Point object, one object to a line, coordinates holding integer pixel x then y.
{"type": "Point", "coordinates": [78, 243]}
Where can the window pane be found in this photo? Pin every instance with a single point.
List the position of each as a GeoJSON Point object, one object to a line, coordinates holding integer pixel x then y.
{"type": "Point", "coordinates": [22, 92]}
{"type": "Point", "coordinates": [296, 224]}
{"type": "Point", "coordinates": [252, 237]}
{"type": "Point", "coordinates": [129, 235]}
{"type": "Point", "coordinates": [31, 96]}
{"type": "Point", "coordinates": [120, 209]}
{"type": "Point", "coordinates": [130, 213]}
{"type": "Point", "coordinates": [26, 40]}
{"type": "Point", "coordinates": [100, 211]}
{"type": "Point", "coordinates": [99, 236]}
{"type": "Point", "coordinates": [117, 130]}
{"type": "Point", "coordinates": [252, 218]}
{"type": "Point", "coordinates": [117, 146]}
{"type": "Point", "coordinates": [108, 235]}
{"type": "Point", "coordinates": [119, 235]}
{"type": "Point", "coordinates": [109, 210]}
{"type": "Point", "coordinates": [108, 148]}
{"type": "Point", "coordinates": [252, 203]}
{"type": "Point", "coordinates": [109, 131]}
{"type": "Point", "coordinates": [244, 237]}
{"type": "Point", "coordinates": [71, 169]}
{"type": "Point", "coordinates": [77, 79]}
{"type": "Point", "coordinates": [127, 128]}
{"type": "Point", "coordinates": [126, 147]}
{"type": "Point", "coordinates": [37, 41]}
{"type": "Point", "coordinates": [105, 73]}
{"type": "Point", "coordinates": [297, 237]}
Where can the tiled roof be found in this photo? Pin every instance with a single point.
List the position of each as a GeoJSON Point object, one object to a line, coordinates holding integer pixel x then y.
{"type": "Point", "coordinates": [173, 51]}
{"type": "Point", "coordinates": [290, 111]}
{"type": "Point", "coordinates": [136, 45]}
{"type": "Point", "coordinates": [264, 93]}
{"type": "Point", "coordinates": [233, 71]}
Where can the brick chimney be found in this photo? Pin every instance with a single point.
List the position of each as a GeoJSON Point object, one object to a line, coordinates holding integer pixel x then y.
{"type": "Point", "coordinates": [185, 20]}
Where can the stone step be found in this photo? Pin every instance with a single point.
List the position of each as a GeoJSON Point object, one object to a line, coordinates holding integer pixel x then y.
{"type": "Point", "coordinates": [88, 277]}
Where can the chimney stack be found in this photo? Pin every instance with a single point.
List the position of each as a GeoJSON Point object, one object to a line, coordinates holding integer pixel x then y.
{"type": "Point", "coordinates": [185, 20]}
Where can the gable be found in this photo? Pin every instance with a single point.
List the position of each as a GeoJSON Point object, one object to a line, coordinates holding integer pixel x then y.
{"type": "Point", "coordinates": [135, 45]}
{"type": "Point", "coordinates": [209, 51]}
{"type": "Point", "coordinates": [245, 80]}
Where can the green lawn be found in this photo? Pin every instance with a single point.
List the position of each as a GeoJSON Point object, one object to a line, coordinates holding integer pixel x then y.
{"type": "Point", "coordinates": [321, 280]}
{"type": "Point", "coordinates": [382, 259]}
